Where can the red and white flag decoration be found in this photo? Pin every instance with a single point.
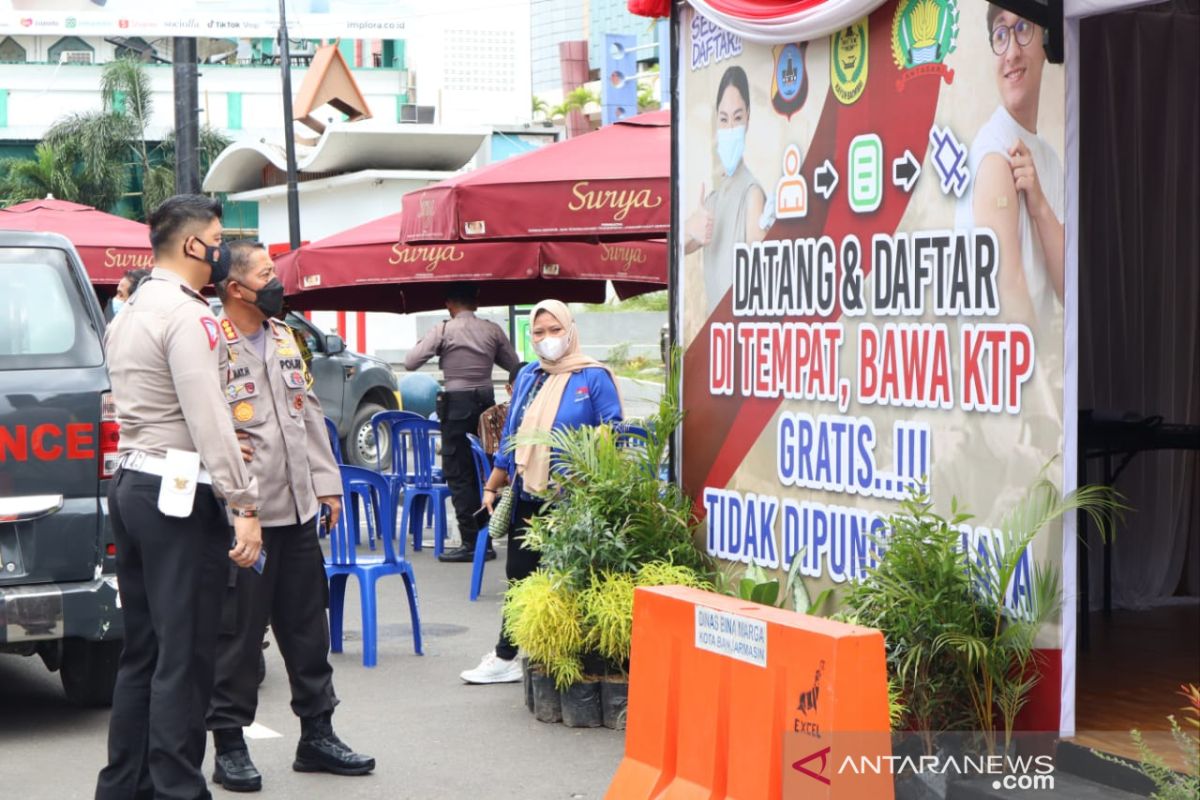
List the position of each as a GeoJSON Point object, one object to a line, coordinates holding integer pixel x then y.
{"type": "Point", "coordinates": [770, 21]}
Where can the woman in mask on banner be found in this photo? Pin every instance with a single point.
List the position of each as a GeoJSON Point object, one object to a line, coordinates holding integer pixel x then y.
{"type": "Point", "coordinates": [732, 212]}
{"type": "Point", "coordinates": [562, 389]}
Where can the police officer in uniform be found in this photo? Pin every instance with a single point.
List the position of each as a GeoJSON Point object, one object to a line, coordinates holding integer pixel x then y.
{"type": "Point", "coordinates": [180, 460]}
{"type": "Point", "coordinates": [272, 405]}
{"type": "Point", "coordinates": [467, 347]}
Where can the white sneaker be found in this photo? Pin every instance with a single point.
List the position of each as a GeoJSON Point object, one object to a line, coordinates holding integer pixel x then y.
{"type": "Point", "coordinates": [493, 669]}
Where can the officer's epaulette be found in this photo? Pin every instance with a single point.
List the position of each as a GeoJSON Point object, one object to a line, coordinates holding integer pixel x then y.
{"type": "Point", "coordinates": [192, 293]}
{"type": "Point", "coordinates": [279, 330]}
{"type": "Point", "coordinates": [231, 334]}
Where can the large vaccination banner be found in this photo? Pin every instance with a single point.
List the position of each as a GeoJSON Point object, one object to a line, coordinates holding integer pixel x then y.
{"type": "Point", "coordinates": [872, 282]}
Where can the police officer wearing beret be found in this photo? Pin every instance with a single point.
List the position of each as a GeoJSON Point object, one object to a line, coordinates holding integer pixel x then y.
{"type": "Point", "coordinates": [180, 459]}
{"type": "Point", "coordinates": [272, 405]}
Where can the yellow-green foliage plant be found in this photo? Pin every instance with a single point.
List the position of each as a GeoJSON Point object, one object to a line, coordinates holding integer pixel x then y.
{"type": "Point", "coordinates": [607, 605]}
{"type": "Point", "coordinates": [664, 573]}
{"type": "Point", "coordinates": [543, 617]}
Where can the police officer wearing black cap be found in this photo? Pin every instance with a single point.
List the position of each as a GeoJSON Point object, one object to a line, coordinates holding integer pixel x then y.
{"type": "Point", "coordinates": [467, 348]}
{"type": "Point", "coordinates": [181, 468]}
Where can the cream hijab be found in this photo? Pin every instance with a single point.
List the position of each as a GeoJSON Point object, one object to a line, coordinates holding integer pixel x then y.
{"type": "Point", "coordinates": [533, 460]}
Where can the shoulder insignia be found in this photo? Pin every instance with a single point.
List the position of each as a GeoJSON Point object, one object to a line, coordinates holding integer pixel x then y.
{"type": "Point", "coordinates": [210, 329]}
{"type": "Point", "coordinates": [193, 294]}
{"type": "Point", "coordinates": [230, 332]}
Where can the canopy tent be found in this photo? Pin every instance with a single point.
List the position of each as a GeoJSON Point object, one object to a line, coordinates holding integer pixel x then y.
{"type": "Point", "coordinates": [108, 244]}
{"type": "Point", "coordinates": [365, 268]}
{"type": "Point", "coordinates": [612, 183]}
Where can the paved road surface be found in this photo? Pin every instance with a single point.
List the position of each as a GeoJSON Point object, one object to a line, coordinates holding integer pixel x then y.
{"type": "Point", "coordinates": [433, 737]}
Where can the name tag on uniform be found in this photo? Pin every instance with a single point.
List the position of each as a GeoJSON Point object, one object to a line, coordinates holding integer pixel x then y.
{"type": "Point", "coordinates": [177, 492]}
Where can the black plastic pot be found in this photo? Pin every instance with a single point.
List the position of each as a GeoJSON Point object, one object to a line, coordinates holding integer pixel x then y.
{"type": "Point", "coordinates": [581, 705]}
{"type": "Point", "coordinates": [527, 682]}
{"type": "Point", "coordinates": [614, 699]}
{"type": "Point", "coordinates": [547, 706]}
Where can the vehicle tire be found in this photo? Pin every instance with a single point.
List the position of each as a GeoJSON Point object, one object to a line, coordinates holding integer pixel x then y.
{"type": "Point", "coordinates": [359, 450]}
{"type": "Point", "coordinates": [89, 671]}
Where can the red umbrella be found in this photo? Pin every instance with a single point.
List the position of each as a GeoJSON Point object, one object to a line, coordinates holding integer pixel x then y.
{"type": "Point", "coordinates": [366, 269]}
{"type": "Point", "coordinates": [108, 244]}
{"type": "Point", "coordinates": [614, 182]}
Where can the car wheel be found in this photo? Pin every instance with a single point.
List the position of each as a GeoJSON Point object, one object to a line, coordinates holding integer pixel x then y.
{"type": "Point", "coordinates": [89, 671]}
{"type": "Point", "coordinates": [360, 443]}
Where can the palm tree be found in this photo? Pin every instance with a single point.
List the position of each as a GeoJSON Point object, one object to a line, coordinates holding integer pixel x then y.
{"type": "Point", "coordinates": [540, 107]}
{"type": "Point", "coordinates": [48, 173]}
{"type": "Point", "coordinates": [581, 97]}
{"type": "Point", "coordinates": [110, 146]}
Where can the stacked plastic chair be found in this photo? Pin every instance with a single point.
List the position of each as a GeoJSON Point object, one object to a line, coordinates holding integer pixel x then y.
{"type": "Point", "coordinates": [411, 478]}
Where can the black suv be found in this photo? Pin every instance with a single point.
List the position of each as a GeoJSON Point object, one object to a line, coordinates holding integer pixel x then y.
{"type": "Point", "coordinates": [58, 448]}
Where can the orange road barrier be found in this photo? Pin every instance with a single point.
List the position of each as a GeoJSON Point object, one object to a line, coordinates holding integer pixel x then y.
{"type": "Point", "coordinates": [731, 699]}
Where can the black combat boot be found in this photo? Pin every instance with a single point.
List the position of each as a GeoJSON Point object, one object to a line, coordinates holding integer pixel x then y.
{"type": "Point", "coordinates": [234, 770]}
{"type": "Point", "coordinates": [320, 750]}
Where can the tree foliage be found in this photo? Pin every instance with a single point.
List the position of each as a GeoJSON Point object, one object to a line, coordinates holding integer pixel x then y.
{"type": "Point", "coordinates": [97, 157]}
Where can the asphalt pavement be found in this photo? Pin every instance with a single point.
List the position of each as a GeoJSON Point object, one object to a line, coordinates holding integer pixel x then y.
{"type": "Point", "coordinates": [433, 737]}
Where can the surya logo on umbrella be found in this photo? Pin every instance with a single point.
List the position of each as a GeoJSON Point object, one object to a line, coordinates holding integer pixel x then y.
{"type": "Point", "coordinates": [118, 259]}
{"type": "Point", "coordinates": [620, 201]}
{"type": "Point", "coordinates": [625, 255]}
{"type": "Point", "coordinates": [428, 255]}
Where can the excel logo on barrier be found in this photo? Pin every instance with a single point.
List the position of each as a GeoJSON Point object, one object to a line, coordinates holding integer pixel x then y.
{"type": "Point", "coordinates": [848, 62]}
{"type": "Point", "coordinates": [924, 33]}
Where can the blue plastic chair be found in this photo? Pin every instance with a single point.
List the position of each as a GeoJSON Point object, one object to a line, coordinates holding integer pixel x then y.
{"type": "Point", "coordinates": [412, 476]}
{"type": "Point", "coordinates": [483, 468]}
{"type": "Point", "coordinates": [369, 488]}
{"type": "Point", "coordinates": [334, 440]}
{"type": "Point", "coordinates": [396, 471]}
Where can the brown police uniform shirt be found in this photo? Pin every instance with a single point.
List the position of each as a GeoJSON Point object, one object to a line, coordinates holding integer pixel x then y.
{"type": "Point", "coordinates": [167, 368]}
{"type": "Point", "coordinates": [269, 399]}
{"type": "Point", "coordinates": [467, 346]}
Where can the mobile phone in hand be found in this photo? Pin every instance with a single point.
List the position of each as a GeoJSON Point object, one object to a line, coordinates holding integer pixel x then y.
{"type": "Point", "coordinates": [481, 517]}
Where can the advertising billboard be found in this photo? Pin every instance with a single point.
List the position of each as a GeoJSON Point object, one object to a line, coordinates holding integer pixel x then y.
{"type": "Point", "coordinates": [872, 281]}
{"type": "Point", "coordinates": [362, 19]}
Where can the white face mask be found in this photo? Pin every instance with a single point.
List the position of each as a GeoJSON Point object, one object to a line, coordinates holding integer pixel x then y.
{"type": "Point", "coordinates": [551, 348]}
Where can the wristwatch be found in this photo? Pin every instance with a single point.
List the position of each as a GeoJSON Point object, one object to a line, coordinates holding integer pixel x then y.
{"type": "Point", "coordinates": [248, 513]}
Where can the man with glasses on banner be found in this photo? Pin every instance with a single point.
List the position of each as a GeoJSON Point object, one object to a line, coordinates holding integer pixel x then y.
{"type": "Point", "coordinates": [1018, 188]}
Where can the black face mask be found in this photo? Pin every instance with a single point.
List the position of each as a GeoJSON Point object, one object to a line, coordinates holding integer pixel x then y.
{"type": "Point", "coordinates": [269, 299]}
{"type": "Point", "coordinates": [218, 258]}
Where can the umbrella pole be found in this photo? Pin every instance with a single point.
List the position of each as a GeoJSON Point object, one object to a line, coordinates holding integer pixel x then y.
{"type": "Point", "coordinates": [289, 136]}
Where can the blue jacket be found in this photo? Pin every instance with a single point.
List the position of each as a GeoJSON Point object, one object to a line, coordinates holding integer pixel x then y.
{"type": "Point", "coordinates": [589, 399]}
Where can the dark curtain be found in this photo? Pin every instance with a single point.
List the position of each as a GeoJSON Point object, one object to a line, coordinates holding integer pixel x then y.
{"type": "Point", "coordinates": [1139, 277]}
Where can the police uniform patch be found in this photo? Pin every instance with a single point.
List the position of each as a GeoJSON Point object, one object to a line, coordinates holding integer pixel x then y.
{"type": "Point", "coordinates": [210, 330]}
{"type": "Point", "coordinates": [294, 379]}
{"type": "Point", "coordinates": [243, 412]}
{"type": "Point", "coordinates": [298, 402]}
{"type": "Point", "coordinates": [229, 331]}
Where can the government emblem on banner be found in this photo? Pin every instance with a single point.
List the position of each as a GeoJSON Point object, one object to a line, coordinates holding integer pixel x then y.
{"type": "Point", "coordinates": [789, 84]}
{"type": "Point", "coordinates": [848, 62]}
{"type": "Point", "coordinates": [924, 33]}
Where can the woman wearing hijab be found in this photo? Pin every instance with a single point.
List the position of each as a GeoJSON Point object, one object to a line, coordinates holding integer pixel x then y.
{"type": "Point", "coordinates": [562, 389]}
